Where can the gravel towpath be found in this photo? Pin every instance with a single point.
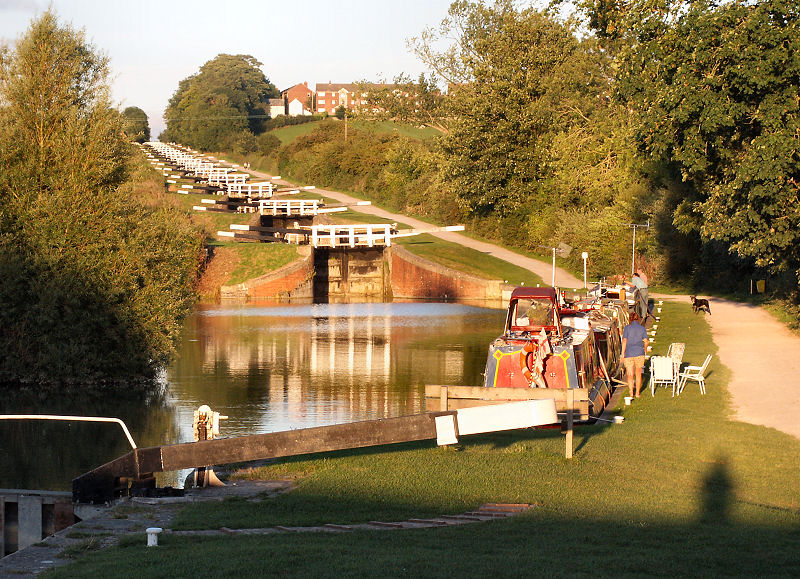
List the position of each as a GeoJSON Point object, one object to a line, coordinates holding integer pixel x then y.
{"type": "Point", "coordinates": [764, 359]}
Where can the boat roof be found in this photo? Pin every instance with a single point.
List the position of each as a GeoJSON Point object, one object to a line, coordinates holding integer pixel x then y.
{"type": "Point", "coordinates": [534, 292]}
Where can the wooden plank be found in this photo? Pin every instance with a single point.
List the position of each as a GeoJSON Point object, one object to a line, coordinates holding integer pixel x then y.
{"type": "Point", "coordinates": [581, 406]}
{"type": "Point", "coordinates": [100, 484]}
{"type": "Point", "coordinates": [481, 393]}
{"type": "Point", "coordinates": [238, 227]}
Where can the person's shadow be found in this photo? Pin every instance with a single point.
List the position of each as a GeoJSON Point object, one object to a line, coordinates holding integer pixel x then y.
{"type": "Point", "coordinates": [716, 493]}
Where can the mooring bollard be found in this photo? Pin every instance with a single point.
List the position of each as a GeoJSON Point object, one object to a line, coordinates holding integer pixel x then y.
{"type": "Point", "coordinates": [152, 536]}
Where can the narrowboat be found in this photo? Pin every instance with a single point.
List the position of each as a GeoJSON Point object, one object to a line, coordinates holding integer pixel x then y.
{"type": "Point", "coordinates": [549, 342]}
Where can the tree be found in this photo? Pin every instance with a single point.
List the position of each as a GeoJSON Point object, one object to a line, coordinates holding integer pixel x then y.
{"type": "Point", "coordinates": [407, 101]}
{"type": "Point", "coordinates": [95, 279]}
{"type": "Point", "coordinates": [135, 124]}
{"type": "Point", "coordinates": [230, 94]}
{"type": "Point", "coordinates": [516, 79]}
{"type": "Point", "coordinates": [713, 88]}
{"type": "Point", "coordinates": [58, 122]}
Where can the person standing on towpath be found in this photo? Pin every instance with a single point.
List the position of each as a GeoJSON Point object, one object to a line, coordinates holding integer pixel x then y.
{"type": "Point", "coordinates": [639, 281]}
{"type": "Point", "coordinates": [634, 346]}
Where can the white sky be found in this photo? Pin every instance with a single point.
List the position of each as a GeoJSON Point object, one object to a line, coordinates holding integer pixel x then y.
{"type": "Point", "coordinates": [153, 44]}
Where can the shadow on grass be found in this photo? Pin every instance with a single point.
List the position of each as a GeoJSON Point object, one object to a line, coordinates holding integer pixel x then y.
{"type": "Point", "coordinates": [540, 543]}
{"type": "Point", "coordinates": [716, 493]}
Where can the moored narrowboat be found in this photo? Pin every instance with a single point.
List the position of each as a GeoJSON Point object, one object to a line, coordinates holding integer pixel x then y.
{"type": "Point", "coordinates": [550, 343]}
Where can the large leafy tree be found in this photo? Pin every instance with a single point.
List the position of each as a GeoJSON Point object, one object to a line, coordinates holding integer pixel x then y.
{"type": "Point", "coordinates": [95, 281]}
{"type": "Point", "coordinates": [406, 101]}
{"type": "Point", "coordinates": [516, 79]}
{"type": "Point", "coordinates": [227, 97]}
{"type": "Point", "coordinates": [713, 87]}
{"type": "Point", "coordinates": [135, 124]}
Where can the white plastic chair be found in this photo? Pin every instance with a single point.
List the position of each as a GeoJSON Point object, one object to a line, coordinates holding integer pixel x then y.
{"type": "Point", "coordinates": [696, 373]}
{"type": "Point", "coordinates": [675, 351]}
{"type": "Point", "coordinates": [662, 372]}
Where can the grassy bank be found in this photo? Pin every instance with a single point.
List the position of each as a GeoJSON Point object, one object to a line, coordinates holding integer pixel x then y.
{"type": "Point", "coordinates": [677, 489]}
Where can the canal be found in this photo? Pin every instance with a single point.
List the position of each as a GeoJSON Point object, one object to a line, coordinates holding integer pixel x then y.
{"type": "Point", "coordinates": [268, 367]}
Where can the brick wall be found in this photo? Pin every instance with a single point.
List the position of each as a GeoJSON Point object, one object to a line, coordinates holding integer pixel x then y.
{"type": "Point", "coordinates": [294, 280]}
{"type": "Point", "coordinates": [415, 277]}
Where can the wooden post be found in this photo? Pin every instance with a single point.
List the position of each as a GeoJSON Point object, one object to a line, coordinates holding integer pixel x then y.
{"type": "Point", "coordinates": [443, 399]}
{"type": "Point", "coordinates": [570, 403]}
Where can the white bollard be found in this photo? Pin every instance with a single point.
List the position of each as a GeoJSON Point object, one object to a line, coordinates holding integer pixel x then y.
{"type": "Point", "coordinates": [152, 536]}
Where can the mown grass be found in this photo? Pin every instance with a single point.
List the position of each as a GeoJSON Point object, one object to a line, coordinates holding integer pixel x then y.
{"type": "Point", "coordinates": [292, 132]}
{"type": "Point", "coordinates": [252, 259]}
{"type": "Point", "coordinates": [389, 127]}
{"type": "Point", "coordinates": [468, 260]}
{"type": "Point", "coordinates": [677, 489]}
{"type": "Point", "coordinates": [257, 259]}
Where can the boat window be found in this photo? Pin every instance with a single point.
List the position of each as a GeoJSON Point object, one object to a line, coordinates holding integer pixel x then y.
{"type": "Point", "coordinates": [533, 313]}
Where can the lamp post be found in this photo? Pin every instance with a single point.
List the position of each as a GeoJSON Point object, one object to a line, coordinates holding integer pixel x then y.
{"type": "Point", "coordinates": [633, 252]}
{"type": "Point", "coordinates": [562, 250]}
{"type": "Point", "coordinates": [585, 256]}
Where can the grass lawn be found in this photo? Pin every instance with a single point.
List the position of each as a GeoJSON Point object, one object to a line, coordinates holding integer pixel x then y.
{"type": "Point", "coordinates": [677, 489]}
{"type": "Point", "coordinates": [252, 259]}
{"type": "Point", "coordinates": [406, 130]}
{"type": "Point", "coordinates": [290, 133]}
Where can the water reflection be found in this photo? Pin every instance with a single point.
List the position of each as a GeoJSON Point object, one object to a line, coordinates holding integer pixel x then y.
{"type": "Point", "coordinates": [269, 368]}
{"type": "Point", "coordinates": [277, 368]}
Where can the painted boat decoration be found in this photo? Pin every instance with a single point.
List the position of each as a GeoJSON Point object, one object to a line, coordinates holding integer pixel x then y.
{"type": "Point", "coordinates": [548, 342]}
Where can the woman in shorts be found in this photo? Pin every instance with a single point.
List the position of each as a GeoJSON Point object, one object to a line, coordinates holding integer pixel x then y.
{"type": "Point", "coordinates": [634, 346]}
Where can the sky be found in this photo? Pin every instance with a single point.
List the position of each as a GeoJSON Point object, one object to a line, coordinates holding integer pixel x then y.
{"type": "Point", "coordinates": [154, 44]}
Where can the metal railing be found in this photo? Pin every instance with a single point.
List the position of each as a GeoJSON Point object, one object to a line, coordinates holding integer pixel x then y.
{"type": "Point", "coordinates": [70, 419]}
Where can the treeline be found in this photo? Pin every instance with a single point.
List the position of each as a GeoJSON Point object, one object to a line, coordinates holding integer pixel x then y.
{"type": "Point", "coordinates": [97, 271]}
{"type": "Point", "coordinates": [681, 114]}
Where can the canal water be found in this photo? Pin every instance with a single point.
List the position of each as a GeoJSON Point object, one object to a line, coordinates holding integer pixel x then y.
{"type": "Point", "coordinates": [268, 367]}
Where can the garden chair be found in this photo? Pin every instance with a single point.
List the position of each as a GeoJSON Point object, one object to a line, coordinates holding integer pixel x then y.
{"type": "Point", "coordinates": [675, 351]}
{"type": "Point", "coordinates": [696, 373]}
{"type": "Point", "coordinates": [662, 372]}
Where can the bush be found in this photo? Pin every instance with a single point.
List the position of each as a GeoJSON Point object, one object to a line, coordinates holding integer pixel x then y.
{"type": "Point", "coordinates": [266, 144]}
{"type": "Point", "coordinates": [246, 143]}
{"type": "Point", "coordinates": [287, 121]}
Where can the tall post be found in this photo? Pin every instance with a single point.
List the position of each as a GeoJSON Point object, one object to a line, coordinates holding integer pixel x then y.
{"type": "Point", "coordinates": [554, 267]}
{"type": "Point", "coordinates": [585, 256]}
{"type": "Point", "coordinates": [570, 404]}
{"type": "Point", "coordinates": [633, 251]}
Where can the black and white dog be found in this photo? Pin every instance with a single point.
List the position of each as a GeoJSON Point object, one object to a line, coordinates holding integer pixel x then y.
{"type": "Point", "coordinates": [700, 305]}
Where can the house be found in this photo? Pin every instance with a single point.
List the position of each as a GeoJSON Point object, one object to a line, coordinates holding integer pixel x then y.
{"type": "Point", "coordinates": [330, 96]}
{"type": "Point", "coordinates": [276, 107]}
{"type": "Point", "coordinates": [354, 96]}
{"type": "Point", "coordinates": [303, 95]}
{"type": "Point", "coordinates": [295, 108]}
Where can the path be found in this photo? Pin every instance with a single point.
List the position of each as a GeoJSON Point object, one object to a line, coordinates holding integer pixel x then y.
{"type": "Point", "coordinates": [543, 270]}
{"type": "Point", "coordinates": [764, 359]}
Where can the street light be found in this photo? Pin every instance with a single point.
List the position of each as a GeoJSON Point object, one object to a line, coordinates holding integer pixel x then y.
{"type": "Point", "coordinates": [585, 256]}
{"type": "Point", "coordinates": [633, 253]}
{"type": "Point", "coordinates": [563, 250]}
